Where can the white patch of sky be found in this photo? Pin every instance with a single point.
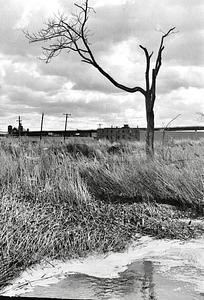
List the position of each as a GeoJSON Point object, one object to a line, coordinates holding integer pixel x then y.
{"type": "Point", "coordinates": [98, 3]}
{"type": "Point", "coordinates": [49, 7]}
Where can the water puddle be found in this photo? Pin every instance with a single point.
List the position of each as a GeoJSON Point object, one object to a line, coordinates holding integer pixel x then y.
{"type": "Point", "coordinates": [149, 269]}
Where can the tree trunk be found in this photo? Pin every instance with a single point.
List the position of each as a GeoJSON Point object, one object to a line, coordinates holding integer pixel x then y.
{"type": "Point", "coordinates": [150, 128]}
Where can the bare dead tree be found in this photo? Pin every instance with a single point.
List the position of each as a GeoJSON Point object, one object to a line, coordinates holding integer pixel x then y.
{"type": "Point", "coordinates": [72, 34]}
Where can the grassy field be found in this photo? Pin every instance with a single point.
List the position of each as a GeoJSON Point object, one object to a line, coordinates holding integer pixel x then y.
{"type": "Point", "coordinates": [61, 201]}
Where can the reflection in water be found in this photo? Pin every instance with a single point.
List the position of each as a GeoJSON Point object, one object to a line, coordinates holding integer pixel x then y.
{"type": "Point", "coordinates": [139, 281]}
{"type": "Point", "coordinates": [147, 283]}
{"type": "Point", "coordinates": [134, 283]}
{"type": "Point", "coordinates": [149, 270]}
{"type": "Point", "coordinates": [127, 283]}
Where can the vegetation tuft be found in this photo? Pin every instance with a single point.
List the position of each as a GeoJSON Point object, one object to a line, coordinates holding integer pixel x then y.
{"type": "Point", "coordinates": [61, 201]}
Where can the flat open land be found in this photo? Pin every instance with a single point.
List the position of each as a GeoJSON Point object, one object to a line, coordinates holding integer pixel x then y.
{"type": "Point", "coordinates": [69, 200]}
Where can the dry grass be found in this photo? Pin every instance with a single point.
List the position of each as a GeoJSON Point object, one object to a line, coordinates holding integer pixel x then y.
{"type": "Point", "coordinates": [63, 201]}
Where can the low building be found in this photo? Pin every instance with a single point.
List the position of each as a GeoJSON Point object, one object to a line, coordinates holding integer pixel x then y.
{"type": "Point", "coordinates": [114, 134]}
{"type": "Point", "coordinates": [90, 133]}
{"type": "Point", "coordinates": [13, 131]}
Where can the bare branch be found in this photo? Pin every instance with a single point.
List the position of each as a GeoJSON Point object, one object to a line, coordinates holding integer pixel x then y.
{"type": "Point", "coordinates": [148, 57]}
{"type": "Point", "coordinates": [118, 85]}
{"type": "Point", "coordinates": [80, 7]}
{"type": "Point", "coordinates": [158, 63]}
{"type": "Point", "coordinates": [161, 48]}
{"type": "Point", "coordinates": [151, 54]}
{"type": "Point", "coordinates": [171, 31]}
{"type": "Point", "coordinates": [73, 36]}
{"type": "Point", "coordinates": [167, 125]}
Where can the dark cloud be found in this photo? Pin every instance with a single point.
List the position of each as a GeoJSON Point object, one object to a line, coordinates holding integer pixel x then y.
{"type": "Point", "coordinates": [19, 98]}
{"type": "Point", "coordinates": [185, 47]}
{"type": "Point", "coordinates": [171, 79]}
{"type": "Point", "coordinates": [83, 76]}
{"type": "Point", "coordinates": [32, 79]}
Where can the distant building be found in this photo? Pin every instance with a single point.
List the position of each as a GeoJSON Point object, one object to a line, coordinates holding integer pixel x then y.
{"type": "Point", "coordinates": [84, 133]}
{"type": "Point", "coordinates": [92, 133]}
{"type": "Point", "coordinates": [10, 129]}
{"type": "Point", "coordinates": [17, 131]}
{"type": "Point", "coordinates": [114, 134]}
{"type": "Point", "coordinates": [13, 130]}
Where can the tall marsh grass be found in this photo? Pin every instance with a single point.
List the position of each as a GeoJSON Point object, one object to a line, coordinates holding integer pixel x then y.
{"type": "Point", "coordinates": [68, 200]}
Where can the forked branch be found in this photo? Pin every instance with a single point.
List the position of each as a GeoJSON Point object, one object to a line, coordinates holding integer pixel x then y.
{"type": "Point", "coordinates": [161, 48]}
{"type": "Point", "coordinates": [158, 64]}
{"type": "Point", "coordinates": [72, 35]}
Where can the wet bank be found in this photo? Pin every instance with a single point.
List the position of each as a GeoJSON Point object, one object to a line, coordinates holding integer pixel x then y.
{"type": "Point", "coordinates": [149, 269]}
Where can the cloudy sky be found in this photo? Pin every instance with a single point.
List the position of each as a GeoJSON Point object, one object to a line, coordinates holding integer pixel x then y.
{"type": "Point", "coordinates": [29, 86]}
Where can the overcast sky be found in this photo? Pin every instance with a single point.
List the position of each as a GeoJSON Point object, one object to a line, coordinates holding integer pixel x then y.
{"type": "Point", "coordinates": [29, 86]}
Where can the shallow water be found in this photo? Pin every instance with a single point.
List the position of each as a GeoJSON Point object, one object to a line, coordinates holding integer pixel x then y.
{"type": "Point", "coordinates": [149, 269]}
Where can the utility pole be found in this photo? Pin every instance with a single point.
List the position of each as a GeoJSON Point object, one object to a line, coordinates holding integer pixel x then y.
{"type": "Point", "coordinates": [65, 128]}
{"type": "Point", "coordinates": [41, 127]}
{"type": "Point", "coordinates": [19, 126]}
